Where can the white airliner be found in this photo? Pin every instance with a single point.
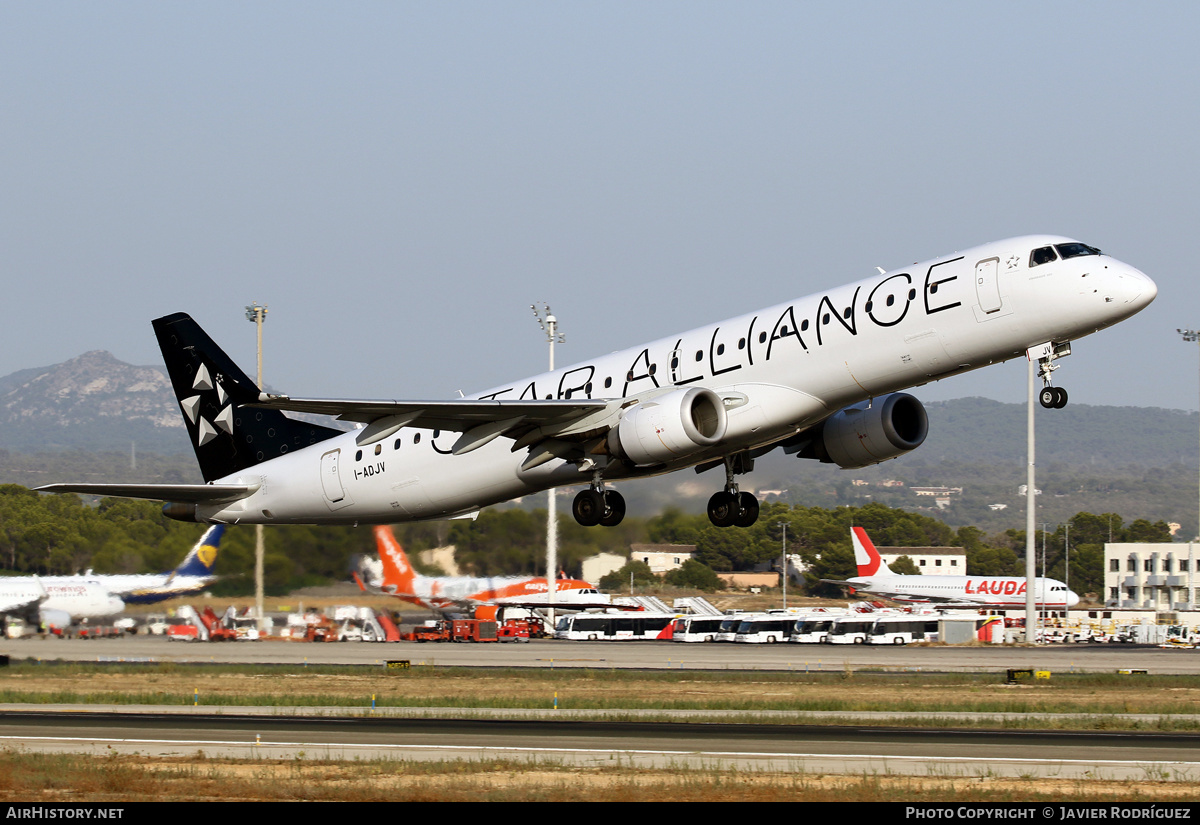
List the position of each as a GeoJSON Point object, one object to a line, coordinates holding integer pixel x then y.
{"type": "Point", "coordinates": [875, 577]}
{"type": "Point", "coordinates": [817, 377]}
{"type": "Point", "coordinates": [192, 575]}
{"type": "Point", "coordinates": [42, 601]}
{"type": "Point", "coordinates": [393, 574]}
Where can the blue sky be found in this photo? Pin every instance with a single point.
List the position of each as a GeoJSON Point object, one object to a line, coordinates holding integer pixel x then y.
{"type": "Point", "coordinates": [398, 182]}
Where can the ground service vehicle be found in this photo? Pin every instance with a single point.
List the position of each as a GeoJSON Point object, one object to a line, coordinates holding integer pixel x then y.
{"type": "Point", "coordinates": [633, 625]}
{"type": "Point", "coordinates": [901, 630]}
{"type": "Point", "coordinates": [697, 628]}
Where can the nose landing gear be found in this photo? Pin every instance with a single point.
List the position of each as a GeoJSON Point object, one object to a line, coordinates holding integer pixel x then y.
{"type": "Point", "coordinates": [1052, 398]}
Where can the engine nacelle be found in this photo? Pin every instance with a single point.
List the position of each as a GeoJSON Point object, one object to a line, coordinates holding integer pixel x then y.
{"type": "Point", "coordinates": [860, 436]}
{"type": "Point", "coordinates": [669, 427]}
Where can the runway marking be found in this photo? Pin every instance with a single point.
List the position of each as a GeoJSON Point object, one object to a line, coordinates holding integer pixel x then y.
{"type": "Point", "coordinates": [596, 751]}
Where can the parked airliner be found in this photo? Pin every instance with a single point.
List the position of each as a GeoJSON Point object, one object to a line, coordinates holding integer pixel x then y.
{"type": "Point", "coordinates": [396, 577]}
{"type": "Point", "coordinates": [818, 377]}
{"type": "Point", "coordinates": [876, 578]}
{"type": "Point", "coordinates": [46, 602]}
{"type": "Point", "coordinates": [192, 575]}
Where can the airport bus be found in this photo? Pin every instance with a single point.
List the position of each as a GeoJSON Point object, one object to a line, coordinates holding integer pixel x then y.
{"type": "Point", "coordinates": [901, 630]}
{"type": "Point", "coordinates": [699, 628]}
{"type": "Point", "coordinates": [766, 629]}
{"type": "Point", "coordinates": [615, 627]}
{"type": "Point", "coordinates": [730, 626]}
{"type": "Point", "coordinates": [851, 629]}
{"type": "Point", "coordinates": [813, 627]}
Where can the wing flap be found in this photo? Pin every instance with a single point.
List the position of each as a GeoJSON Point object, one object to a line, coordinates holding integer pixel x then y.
{"type": "Point", "coordinates": [458, 415]}
{"type": "Point", "coordinates": [183, 493]}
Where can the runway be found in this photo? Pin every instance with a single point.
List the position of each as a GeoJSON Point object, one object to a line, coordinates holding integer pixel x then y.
{"type": "Point", "coordinates": [680, 746]}
{"type": "Point", "coordinates": [648, 655]}
{"type": "Point", "coordinates": [856, 744]}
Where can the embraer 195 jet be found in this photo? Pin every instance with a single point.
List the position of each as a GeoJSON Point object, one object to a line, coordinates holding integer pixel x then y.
{"type": "Point", "coordinates": [818, 377]}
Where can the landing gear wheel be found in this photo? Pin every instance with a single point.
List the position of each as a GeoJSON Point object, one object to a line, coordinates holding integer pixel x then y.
{"type": "Point", "coordinates": [749, 510]}
{"type": "Point", "coordinates": [723, 509]}
{"type": "Point", "coordinates": [614, 509]}
{"type": "Point", "coordinates": [588, 508]}
{"type": "Point", "coordinates": [1053, 398]}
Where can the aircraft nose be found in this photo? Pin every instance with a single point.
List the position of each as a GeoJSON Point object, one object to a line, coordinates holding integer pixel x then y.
{"type": "Point", "coordinates": [1134, 289]}
{"type": "Point", "coordinates": [1072, 598]}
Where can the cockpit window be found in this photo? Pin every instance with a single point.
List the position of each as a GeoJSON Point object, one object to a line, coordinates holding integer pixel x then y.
{"type": "Point", "coordinates": [1074, 250]}
{"type": "Point", "coordinates": [1044, 255]}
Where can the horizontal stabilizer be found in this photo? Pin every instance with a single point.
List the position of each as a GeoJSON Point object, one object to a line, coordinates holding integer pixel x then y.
{"type": "Point", "coordinates": [183, 493]}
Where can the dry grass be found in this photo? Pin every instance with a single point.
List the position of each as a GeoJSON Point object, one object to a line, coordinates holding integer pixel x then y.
{"type": "Point", "coordinates": [1085, 694]}
{"type": "Point", "coordinates": [48, 778]}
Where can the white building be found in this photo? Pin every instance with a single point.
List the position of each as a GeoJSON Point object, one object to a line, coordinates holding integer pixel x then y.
{"type": "Point", "coordinates": [930, 561]}
{"type": "Point", "coordinates": [1161, 577]}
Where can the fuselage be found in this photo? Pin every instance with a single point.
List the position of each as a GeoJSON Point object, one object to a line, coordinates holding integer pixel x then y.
{"type": "Point", "coordinates": [780, 370]}
{"type": "Point", "coordinates": [990, 591]}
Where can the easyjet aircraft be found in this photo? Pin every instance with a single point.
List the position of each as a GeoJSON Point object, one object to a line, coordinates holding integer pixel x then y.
{"type": "Point", "coordinates": [397, 578]}
{"type": "Point", "coordinates": [875, 577]}
{"type": "Point", "coordinates": [818, 377]}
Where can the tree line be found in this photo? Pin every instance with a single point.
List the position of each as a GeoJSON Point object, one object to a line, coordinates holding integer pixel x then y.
{"type": "Point", "coordinates": [61, 535]}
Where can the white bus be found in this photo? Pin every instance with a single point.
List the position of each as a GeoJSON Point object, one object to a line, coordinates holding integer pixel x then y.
{"type": "Point", "coordinates": [766, 629]}
{"type": "Point", "coordinates": [901, 630]}
{"type": "Point", "coordinates": [730, 624]}
{"type": "Point", "coordinates": [851, 629]}
{"type": "Point", "coordinates": [615, 627]}
{"type": "Point", "coordinates": [698, 628]}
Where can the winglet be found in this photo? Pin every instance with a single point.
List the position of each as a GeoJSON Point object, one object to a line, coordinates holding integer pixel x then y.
{"type": "Point", "coordinates": [865, 555]}
{"type": "Point", "coordinates": [398, 575]}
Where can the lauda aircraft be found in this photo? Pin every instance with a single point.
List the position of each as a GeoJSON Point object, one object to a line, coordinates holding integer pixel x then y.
{"type": "Point", "coordinates": [396, 577]}
{"type": "Point", "coordinates": [818, 377]}
{"type": "Point", "coordinates": [876, 578]}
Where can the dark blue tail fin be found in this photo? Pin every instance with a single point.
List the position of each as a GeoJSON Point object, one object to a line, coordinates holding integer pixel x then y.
{"type": "Point", "coordinates": [200, 561]}
{"type": "Point", "coordinates": [211, 389]}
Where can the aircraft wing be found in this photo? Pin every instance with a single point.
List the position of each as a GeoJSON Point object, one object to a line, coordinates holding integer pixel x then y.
{"type": "Point", "coordinates": [22, 602]}
{"type": "Point", "coordinates": [185, 493]}
{"type": "Point", "coordinates": [456, 415]}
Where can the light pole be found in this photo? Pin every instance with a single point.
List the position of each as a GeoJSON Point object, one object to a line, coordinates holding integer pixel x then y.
{"type": "Point", "coordinates": [783, 524]}
{"type": "Point", "coordinates": [1191, 336]}
{"type": "Point", "coordinates": [256, 315]}
{"type": "Point", "coordinates": [549, 325]}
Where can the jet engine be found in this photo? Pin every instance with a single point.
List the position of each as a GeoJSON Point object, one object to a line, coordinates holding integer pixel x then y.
{"type": "Point", "coordinates": [862, 435]}
{"type": "Point", "coordinates": [669, 427]}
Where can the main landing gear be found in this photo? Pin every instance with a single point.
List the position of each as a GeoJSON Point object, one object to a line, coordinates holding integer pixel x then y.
{"type": "Point", "coordinates": [731, 507]}
{"type": "Point", "coordinates": [1052, 398]}
{"type": "Point", "coordinates": [596, 505]}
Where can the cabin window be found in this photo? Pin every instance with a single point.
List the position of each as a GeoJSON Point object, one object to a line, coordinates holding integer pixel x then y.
{"type": "Point", "coordinates": [607, 382]}
{"type": "Point", "coordinates": [762, 338]}
{"type": "Point", "coordinates": [417, 438]}
{"type": "Point", "coordinates": [720, 349]}
{"type": "Point", "coordinates": [358, 455]}
{"type": "Point", "coordinates": [846, 313]}
{"type": "Point", "coordinates": [741, 343]}
{"type": "Point", "coordinates": [804, 325]}
{"type": "Point", "coordinates": [699, 355]}
{"type": "Point", "coordinates": [396, 444]}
